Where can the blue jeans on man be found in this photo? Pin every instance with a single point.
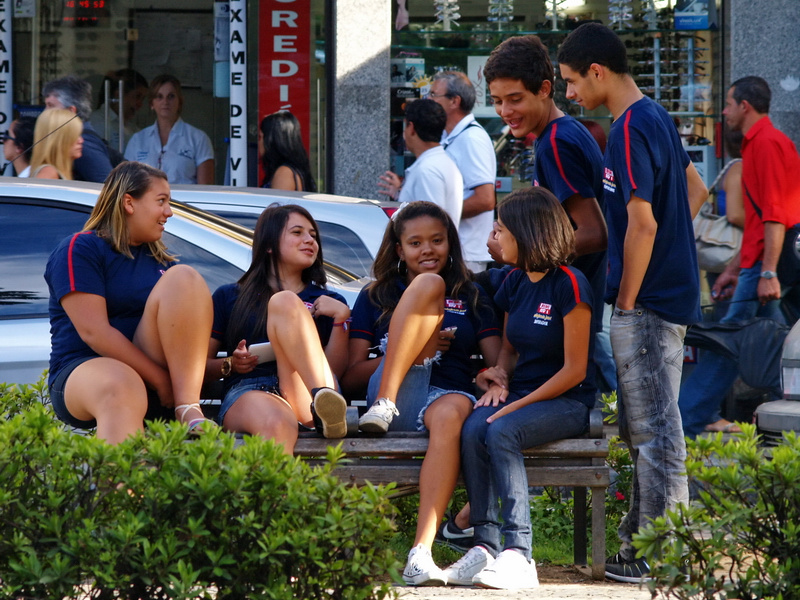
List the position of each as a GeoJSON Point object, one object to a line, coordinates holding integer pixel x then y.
{"type": "Point", "coordinates": [649, 354]}
{"type": "Point", "coordinates": [493, 466]}
{"type": "Point", "coordinates": [712, 378]}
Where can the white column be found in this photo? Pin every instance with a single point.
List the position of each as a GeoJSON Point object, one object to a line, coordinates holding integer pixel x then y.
{"type": "Point", "coordinates": [6, 81]}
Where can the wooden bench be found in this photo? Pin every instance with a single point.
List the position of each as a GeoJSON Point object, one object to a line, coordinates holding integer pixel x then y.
{"type": "Point", "coordinates": [577, 463]}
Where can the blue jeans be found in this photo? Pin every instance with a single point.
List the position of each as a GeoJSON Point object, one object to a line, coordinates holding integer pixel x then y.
{"type": "Point", "coordinates": [493, 466]}
{"type": "Point", "coordinates": [649, 354]}
{"type": "Point", "coordinates": [712, 378]}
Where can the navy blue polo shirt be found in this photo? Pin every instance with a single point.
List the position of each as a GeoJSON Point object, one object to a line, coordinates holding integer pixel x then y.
{"type": "Point", "coordinates": [644, 157]}
{"type": "Point", "coordinates": [224, 299]}
{"type": "Point", "coordinates": [536, 328]}
{"type": "Point", "coordinates": [84, 262]}
{"type": "Point", "coordinates": [454, 369]}
{"type": "Point", "coordinates": [568, 162]}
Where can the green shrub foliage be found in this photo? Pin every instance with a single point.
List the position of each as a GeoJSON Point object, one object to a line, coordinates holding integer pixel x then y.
{"type": "Point", "coordinates": [741, 538]}
{"type": "Point", "coordinates": [164, 518]}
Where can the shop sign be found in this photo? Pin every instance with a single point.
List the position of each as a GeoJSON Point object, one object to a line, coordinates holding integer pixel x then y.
{"type": "Point", "coordinates": [284, 58]}
{"type": "Point", "coordinates": [6, 87]}
{"type": "Point", "coordinates": [238, 116]}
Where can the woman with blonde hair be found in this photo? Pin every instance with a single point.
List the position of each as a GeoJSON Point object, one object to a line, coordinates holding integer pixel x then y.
{"type": "Point", "coordinates": [57, 143]}
{"type": "Point", "coordinates": [129, 327]}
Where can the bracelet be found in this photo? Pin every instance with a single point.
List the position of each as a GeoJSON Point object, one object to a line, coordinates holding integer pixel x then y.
{"type": "Point", "coordinates": [483, 369]}
{"type": "Point", "coordinates": [345, 325]}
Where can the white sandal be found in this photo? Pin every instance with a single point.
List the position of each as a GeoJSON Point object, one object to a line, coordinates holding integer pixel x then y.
{"type": "Point", "coordinates": [194, 422]}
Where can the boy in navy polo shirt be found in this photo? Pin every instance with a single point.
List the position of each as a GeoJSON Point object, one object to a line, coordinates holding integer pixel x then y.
{"type": "Point", "coordinates": [568, 161]}
{"type": "Point", "coordinates": [652, 193]}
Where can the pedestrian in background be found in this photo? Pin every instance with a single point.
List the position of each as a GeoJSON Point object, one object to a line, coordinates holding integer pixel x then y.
{"type": "Point", "coordinates": [283, 157]}
{"type": "Point", "coordinates": [18, 145]}
{"type": "Point", "coordinates": [57, 144]}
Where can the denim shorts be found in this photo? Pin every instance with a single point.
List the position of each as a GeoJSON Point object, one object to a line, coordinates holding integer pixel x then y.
{"type": "Point", "coordinates": [57, 395]}
{"type": "Point", "coordinates": [414, 396]}
{"type": "Point", "coordinates": [268, 384]}
{"type": "Point", "coordinates": [154, 408]}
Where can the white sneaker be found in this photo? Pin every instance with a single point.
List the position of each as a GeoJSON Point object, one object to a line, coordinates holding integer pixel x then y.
{"type": "Point", "coordinates": [421, 570]}
{"type": "Point", "coordinates": [379, 416]}
{"type": "Point", "coordinates": [509, 571]}
{"type": "Point", "coordinates": [464, 569]}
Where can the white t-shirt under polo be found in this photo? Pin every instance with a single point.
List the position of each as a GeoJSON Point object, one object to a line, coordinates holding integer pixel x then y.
{"type": "Point", "coordinates": [187, 148]}
{"type": "Point", "coordinates": [436, 178]}
{"type": "Point", "coordinates": [472, 150]}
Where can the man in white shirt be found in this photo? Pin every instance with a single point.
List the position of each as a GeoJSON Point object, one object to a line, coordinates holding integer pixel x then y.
{"type": "Point", "coordinates": [433, 176]}
{"type": "Point", "coordinates": [468, 144]}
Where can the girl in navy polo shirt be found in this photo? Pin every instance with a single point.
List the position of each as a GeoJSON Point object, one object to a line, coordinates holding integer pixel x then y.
{"type": "Point", "coordinates": [281, 299]}
{"type": "Point", "coordinates": [436, 319]}
{"type": "Point", "coordinates": [124, 319]}
{"type": "Point", "coordinates": [539, 391]}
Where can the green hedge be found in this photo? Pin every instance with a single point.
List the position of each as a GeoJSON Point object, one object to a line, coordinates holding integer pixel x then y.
{"type": "Point", "coordinates": [160, 517]}
{"type": "Point", "coordinates": [741, 538]}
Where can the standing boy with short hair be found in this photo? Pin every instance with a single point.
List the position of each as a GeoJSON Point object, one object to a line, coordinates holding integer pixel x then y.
{"type": "Point", "coordinates": [652, 193]}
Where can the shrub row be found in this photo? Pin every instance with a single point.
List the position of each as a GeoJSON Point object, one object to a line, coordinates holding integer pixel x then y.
{"type": "Point", "coordinates": [159, 517]}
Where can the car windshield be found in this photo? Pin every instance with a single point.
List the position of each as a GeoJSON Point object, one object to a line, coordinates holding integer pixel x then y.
{"type": "Point", "coordinates": [341, 246]}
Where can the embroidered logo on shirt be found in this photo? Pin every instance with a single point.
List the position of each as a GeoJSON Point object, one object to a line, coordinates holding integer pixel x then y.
{"type": "Point", "coordinates": [608, 180]}
{"type": "Point", "coordinates": [542, 316]}
{"type": "Point", "coordinates": [141, 156]}
{"type": "Point", "coordinates": [454, 306]}
{"type": "Point", "coordinates": [536, 182]}
{"type": "Point", "coordinates": [309, 305]}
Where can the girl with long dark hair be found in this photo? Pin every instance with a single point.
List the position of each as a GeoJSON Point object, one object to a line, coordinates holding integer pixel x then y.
{"type": "Point", "coordinates": [281, 299]}
{"type": "Point", "coordinates": [428, 318]}
{"type": "Point", "coordinates": [283, 157]}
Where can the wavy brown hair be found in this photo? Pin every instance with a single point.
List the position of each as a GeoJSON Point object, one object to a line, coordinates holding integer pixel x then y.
{"type": "Point", "coordinates": [541, 227]}
{"type": "Point", "coordinates": [255, 289]}
{"type": "Point", "coordinates": [457, 278]}
{"type": "Point", "coordinates": [108, 219]}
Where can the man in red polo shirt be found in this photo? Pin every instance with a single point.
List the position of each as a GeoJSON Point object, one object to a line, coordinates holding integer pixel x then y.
{"type": "Point", "coordinates": [770, 166]}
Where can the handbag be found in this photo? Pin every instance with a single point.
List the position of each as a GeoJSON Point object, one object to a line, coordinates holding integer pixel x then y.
{"type": "Point", "coordinates": [717, 240]}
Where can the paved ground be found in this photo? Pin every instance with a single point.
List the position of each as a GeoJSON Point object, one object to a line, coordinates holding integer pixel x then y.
{"type": "Point", "coordinates": [557, 583]}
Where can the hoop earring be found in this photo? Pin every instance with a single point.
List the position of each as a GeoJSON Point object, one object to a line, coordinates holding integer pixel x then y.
{"type": "Point", "coordinates": [404, 270]}
{"type": "Point", "coordinates": [449, 260]}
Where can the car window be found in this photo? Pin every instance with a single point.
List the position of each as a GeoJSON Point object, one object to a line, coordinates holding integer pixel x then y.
{"type": "Point", "coordinates": [214, 269]}
{"type": "Point", "coordinates": [30, 233]}
{"type": "Point", "coordinates": [341, 246]}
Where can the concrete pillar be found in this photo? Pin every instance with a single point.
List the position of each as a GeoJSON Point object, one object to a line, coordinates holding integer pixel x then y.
{"type": "Point", "coordinates": [765, 42]}
{"type": "Point", "coordinates": [360, 125]}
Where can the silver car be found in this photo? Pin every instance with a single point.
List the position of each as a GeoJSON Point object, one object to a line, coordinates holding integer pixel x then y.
{"type": "Point", "coordinates": [352, 228]}
{"type": "Point", "coordinates": [36, 215]}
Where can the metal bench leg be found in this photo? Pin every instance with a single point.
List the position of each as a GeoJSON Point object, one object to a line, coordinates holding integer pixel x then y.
{"type": "Point", "coordinates": [579, 527]}
{"type": "Point", "coordinates": [598, 533]}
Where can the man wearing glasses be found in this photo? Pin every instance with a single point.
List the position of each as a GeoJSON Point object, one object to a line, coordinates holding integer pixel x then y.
{"type": "Point", "coordinates": [470, 147]}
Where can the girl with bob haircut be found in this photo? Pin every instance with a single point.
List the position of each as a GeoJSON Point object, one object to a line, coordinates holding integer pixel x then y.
{"type": "Point", "coordinates": [57, 143]}
{"type": "Point", "coordinates": [281, 299]}
{"type": "Point", "coordinates": [283, 156]}
{"type": "Point", "coordinates": [129, 327]}
{"type": "Point", "coordinates": [427, 318]}
{"type": "Point", "coordinates": [540, 389]}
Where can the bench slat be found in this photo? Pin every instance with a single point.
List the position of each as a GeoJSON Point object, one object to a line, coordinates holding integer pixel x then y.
{"type": "Point", "coordinates": [400, 447]}
{"type": "Point", "coordinates": [408, 474]}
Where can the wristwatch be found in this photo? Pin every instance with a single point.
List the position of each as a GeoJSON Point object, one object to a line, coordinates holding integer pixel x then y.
{"type": "Point", "coordinates": [768, 274]}
{"type": "Point", "coordinates": [227, 366]}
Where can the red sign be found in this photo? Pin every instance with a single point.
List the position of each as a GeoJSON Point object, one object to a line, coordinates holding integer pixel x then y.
{"type": "Point", "coordinates": [284, 59]}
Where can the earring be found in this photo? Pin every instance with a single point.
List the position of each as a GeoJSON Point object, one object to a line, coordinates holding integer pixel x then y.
{"type": "Point", "coordinates": [404, 271]}
{"type": "Point", "coordinates": [449, 260]}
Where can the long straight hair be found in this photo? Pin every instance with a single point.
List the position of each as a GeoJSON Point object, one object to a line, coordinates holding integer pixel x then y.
{"type": "Point", "coordinates": [255, 288]}
{"type": "Point", "coordinates": [54, 134]}
{"type": "Point", "coordinates": [283, 146]}
{"type": "Point", "coordinates": [385, 292]}
{"type": "Point", "coordinates": [108, 218]}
